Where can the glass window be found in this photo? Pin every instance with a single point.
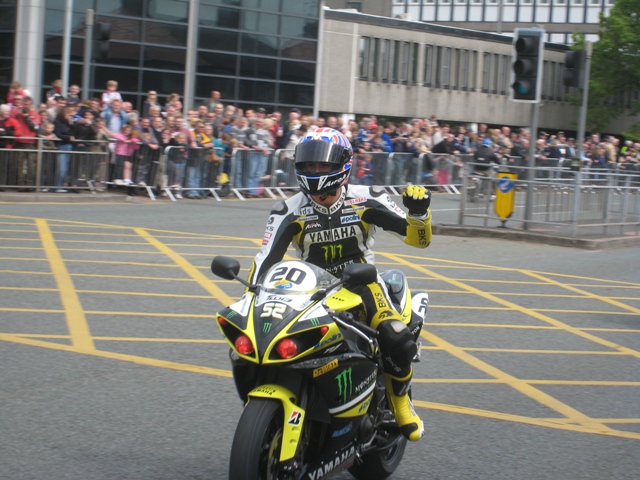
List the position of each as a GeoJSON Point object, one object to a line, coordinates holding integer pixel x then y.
{"type": "Point", "coordinates": [226, 86]}
{"type": "Point", "coordinates": [258, 44]}
{"type": "Point", "coordinates": [486, 72]}
{"type": "Point", "coordinates": [299, 27]}
{"type": "Point", "coordinates": [473, 70]}
{"type": "Point", "coordinates": [463, 70]}
{"type": "Point", "coordinates": [162, 33]}
{"type": "Point", "coordinates": [384, 60]}
{"type": "Point", "coordinates": [397, 58]}
{"type": "Point", "coordinates": [374, 55]}
{"type": "Point", "coordinates": [455, 58]}
{"type": "Point", "coordinates": [217, 63]}
{"type": "Point", "coordinates": [415, 52]}
{"type": "Point", "coordinates": [169, 10]}
{"type": "Point", "coordinates": [255, 91]}
{"type": "Point", "coordinates": [428, 65]}
{"type": "Point", "coordinates": [364, 58]}
{"type": "Point", "coordinates": [222, 2]}
{"type": "Point", "coordinates": [119, 7]}
{"type": "Point", "coordinates": [295, 94]}
{"type": "Point", "coordinates": [164, 58]}
{"type": "Point", "coordinates": [219, 17]}
{"type": "Point", "coordinates": [167, 82]}
{"type": "Point", "coordinates": [127, 77]}
{"type": "Point", "coordinates": [299, 49]}
{"type": "Point", "coordinates": [259, 22]}
{"type": "Point", "coordinates": [309, 8]}
{"type": "Point", "coordinates": [252, 67]}
{"type": "Point", "coordinates": [6, 70]}
{"type": "Point", "coordinates": [298, 72]}
{"type": "Point", "coordinates": [218, 40]}
{"type": "Point", "coordinates": [404, 62]}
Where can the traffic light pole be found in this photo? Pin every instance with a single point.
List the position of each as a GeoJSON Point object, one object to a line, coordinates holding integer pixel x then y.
{"type": "Point", "coordinates": [66, 47]}
{"type": "Point", "coordinates": [531, 172]}
{"type": "Point", "coordinates": [585, 100]}
{"type": "Point", "coordinates": [88, 45]}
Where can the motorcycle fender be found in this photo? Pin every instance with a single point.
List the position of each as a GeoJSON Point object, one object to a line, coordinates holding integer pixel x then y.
{"type": "Point", "coordinates": [293, 416]}
{"type": "Point", "coordinates": [343, 300]}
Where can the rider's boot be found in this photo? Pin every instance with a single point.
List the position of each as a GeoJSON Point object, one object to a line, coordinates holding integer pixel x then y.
{"type": "Point", "coordinates": [398, 395]}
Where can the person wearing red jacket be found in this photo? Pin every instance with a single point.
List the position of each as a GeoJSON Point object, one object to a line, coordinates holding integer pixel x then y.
{"type": "Point", "coordinates": [25, 121]}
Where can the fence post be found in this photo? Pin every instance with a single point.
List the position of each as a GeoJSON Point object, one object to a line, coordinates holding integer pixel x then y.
{"type": "Point", "coordinates": [577, 191]}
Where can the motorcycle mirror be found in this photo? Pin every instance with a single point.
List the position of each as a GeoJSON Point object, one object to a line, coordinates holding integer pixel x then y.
{"type": "Point", "coordinates": [360, 274]}
{"type": "Point", "coordinates": [225, 267]}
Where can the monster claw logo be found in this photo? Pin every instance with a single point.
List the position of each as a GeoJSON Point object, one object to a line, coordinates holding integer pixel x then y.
{"type": "Point", "coordinates": [266, 326]}
{"type": "Point", "coordinates": [332, 252]}
{"type": "Point", "coordinates": [345, 384]}
{"type": "Point", "coordinates": [315, 321]}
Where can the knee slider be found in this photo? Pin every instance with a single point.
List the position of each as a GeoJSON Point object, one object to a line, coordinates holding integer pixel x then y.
{"type": "Point", "coordinates": [397, 344]}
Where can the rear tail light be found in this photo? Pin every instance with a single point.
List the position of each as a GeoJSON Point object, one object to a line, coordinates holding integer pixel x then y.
{"type": "Point", "coordinates": [222, 321]}
{"type": "Point", "coordinates": [324, 330]}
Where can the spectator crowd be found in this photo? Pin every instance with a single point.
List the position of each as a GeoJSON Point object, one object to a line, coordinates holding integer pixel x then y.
{"type": "Point", "coordinates": [69, 125]}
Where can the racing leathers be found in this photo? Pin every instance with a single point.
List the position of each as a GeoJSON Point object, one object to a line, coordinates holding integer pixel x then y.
{"type": "Point", "coordinates": [336, 236]}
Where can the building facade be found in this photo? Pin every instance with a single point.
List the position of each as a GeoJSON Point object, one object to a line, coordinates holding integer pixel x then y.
{"type": "Point", "coordinates": [559, 18]}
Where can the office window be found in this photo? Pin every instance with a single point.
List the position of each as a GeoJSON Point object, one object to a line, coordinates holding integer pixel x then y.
{"type": "Point", "coordinates": [404, 62]}
{"type": "Point", "coordinates": [364, 57]}
{"type": "Point", "coordinates": [463, 70]}
{"type": "Point", "coordinates": [415, 52]}
{"type": "Point", "coordinates": [374, 59]}
{"type": "Point", "coordinates": [397, 58]}
{"type": "Point", "coordinates": [473, 70]}
{"type": "Point", "coordinates": [428, 65]}
{"type": "Point", "coordinates": [385, 51]}
{"type": "Point", "coordinates": [486, 72]}
{"type": "Point", "coordinates": [505, 73]}
{"type": "Point", "coordinates": [455, 58]}
{"type": "Point", "coordinates": [443, 69]}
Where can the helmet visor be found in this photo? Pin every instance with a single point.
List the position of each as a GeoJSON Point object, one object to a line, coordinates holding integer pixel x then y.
{"type": "Point", "coordinates": [317, 158]}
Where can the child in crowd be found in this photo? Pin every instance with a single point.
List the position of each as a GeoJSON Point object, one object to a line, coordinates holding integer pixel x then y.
{"type": "Point", "coordinates": [111, 93]}
{"type": "Point", "coordinates": [126, 146]}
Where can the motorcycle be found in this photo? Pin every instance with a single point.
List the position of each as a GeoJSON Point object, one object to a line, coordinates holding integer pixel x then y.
{"type": "Point", "coordinates": [309, 372]}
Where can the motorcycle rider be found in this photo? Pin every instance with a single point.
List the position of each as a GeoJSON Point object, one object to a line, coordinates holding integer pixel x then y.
{"type": "Point", "coordinates": [331, 224]}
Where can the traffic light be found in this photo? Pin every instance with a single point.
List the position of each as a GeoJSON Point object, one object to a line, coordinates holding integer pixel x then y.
{"type": "Point", "coordinates": [574, 62]}
{"type": "Point", "coordinates": [526, 67]}
{"type": "Point", "coordinates": [103, 34]}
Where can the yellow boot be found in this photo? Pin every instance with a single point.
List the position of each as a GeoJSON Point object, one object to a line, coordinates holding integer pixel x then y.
{"type": "Point", "coordinates": [397, 394]}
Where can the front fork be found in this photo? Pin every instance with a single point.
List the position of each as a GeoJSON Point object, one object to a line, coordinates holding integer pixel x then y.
{"type": "Point", "coordinates": [294, 415]}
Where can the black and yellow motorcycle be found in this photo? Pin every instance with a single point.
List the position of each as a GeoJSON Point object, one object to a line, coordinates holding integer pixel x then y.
{"type": "Point", "coordinates": [309, 372]}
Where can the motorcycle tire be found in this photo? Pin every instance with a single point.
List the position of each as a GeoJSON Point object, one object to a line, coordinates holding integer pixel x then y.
{"type": "Point", "coordinates": [379, 464]}
{"type": "Point", "coordinates": [256, 445]}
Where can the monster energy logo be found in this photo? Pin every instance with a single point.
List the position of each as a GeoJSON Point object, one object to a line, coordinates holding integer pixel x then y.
{"type": "Point", "coordinates": [345, 384]}
{"type": "Point", "coordinates": [266, 326]}
{"type": "Point", "coordinates": [232, 313]}
{"type": "Point", "coordinates": [332, 252]}
{"type": "Point", "coordinates": [315, 322]}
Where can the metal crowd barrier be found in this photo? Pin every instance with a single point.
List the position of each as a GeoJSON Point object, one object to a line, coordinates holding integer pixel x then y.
{"type": "Point", "coordinates": [43, 166]}
{"type": "Point", "coordinates": [574, 203]}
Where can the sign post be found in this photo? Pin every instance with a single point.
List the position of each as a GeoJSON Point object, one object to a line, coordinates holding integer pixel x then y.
{"type": "Point", "coordinates": [505, 196]}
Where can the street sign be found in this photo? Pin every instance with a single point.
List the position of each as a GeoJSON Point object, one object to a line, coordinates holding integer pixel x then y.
{"type": "Point", "coordinates": [505, 195]}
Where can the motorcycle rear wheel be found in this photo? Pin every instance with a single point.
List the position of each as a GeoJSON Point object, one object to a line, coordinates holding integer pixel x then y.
{"type": "Point", "coordinates": [379, 464]}
{"type": "Point", "coordinates": [256, 445]}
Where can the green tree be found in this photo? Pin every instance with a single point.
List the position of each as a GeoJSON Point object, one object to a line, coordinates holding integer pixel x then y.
{"type": "Point", "coordinates": [615, 67]}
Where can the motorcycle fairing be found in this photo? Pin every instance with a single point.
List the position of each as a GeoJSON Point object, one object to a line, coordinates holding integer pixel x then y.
{"type": "Point", "coordinates": [293, 416]}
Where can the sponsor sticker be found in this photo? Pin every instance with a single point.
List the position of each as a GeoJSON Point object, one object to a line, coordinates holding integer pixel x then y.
{"type": "Point", "coordinates": [325, 368]}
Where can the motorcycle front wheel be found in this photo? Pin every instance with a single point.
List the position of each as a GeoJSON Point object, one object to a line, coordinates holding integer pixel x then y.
{"type": "Point", "coordinates": [256, 445]}
{"type": "Point", "coordinates": [381, 463]}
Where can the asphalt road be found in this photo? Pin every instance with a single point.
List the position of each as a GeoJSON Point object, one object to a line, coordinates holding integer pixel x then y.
{"type": "Point", "coordinates": [113, 368]}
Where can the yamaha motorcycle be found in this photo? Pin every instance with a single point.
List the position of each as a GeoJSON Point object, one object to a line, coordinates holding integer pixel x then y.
{"type": "Point", "coordinates": [309, 371]}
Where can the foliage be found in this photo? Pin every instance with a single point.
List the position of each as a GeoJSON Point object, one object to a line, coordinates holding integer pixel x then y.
{"type": "Point", "coordinates": [615, 66]}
